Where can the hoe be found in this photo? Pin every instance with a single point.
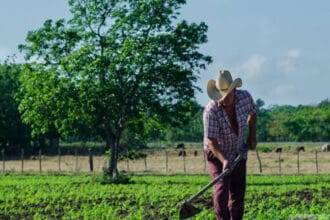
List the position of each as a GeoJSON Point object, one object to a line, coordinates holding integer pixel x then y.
{"type": "Point", "coordinates": [187, 209]}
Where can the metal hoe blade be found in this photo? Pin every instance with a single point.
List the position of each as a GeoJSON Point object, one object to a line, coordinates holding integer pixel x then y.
{"type": "Point", "coordinates": [187, 210]}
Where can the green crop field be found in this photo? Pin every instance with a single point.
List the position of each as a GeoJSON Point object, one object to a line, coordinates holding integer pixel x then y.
{"type": "Point", "coordinates": [53, 196]}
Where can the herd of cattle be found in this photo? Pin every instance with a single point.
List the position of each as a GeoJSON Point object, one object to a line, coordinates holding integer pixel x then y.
{"type": "Point", "coordinates": [324, 148]}
{"type": "Point", "coordinates": [182, 152]}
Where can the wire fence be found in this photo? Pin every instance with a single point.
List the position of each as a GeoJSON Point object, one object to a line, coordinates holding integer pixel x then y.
{"type": "Point", "coordinates": [168, 161]}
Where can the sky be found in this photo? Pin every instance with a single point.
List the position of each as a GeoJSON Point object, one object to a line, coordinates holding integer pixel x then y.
{"type": "Point", "coordinates": [280, 49]}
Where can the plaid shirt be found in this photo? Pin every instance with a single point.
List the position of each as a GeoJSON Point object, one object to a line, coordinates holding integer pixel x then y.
{"type": "Point", "coordinates": [217, 125]}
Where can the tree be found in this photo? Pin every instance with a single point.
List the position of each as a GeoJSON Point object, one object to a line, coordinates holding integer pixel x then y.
{"type": "Point", "coordinates": [191, 131]}
{"type": "Point", "coordinates": [112, 63]}
{"type": "Point", "coordinates": [263, 121]}
{"type": "Point", "coordinates": [260, 103]}
{"type": "Point", "coordinates": [13, 133]}
{"type": "Point", "coordinates": [309, 123]}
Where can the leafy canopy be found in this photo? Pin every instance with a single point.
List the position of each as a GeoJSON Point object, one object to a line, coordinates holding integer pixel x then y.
{"type": "Point", "coordinates": [113, 62]}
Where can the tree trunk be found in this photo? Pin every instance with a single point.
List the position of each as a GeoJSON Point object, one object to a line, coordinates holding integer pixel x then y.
{"type": "Point", "coordinates": [54, 142]}
{"type": "Point", "coordinates": [112, 145]}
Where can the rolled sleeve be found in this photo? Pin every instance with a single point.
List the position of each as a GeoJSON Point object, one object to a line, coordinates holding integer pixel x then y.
{"type": "Point", "coordinates": [211, 125]}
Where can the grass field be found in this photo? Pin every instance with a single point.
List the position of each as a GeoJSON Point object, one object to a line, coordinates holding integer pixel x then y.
{"type": "Point", "coordinates": [33, 196]}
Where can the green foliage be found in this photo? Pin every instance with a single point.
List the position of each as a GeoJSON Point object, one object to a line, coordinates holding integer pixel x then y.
{"type": "Point", "coordinates": [311, 123]}
{"type": "Point", "coordinates": [302, 123]}
{"type": "Point", "coordinates": [108, 179]}
{"type": "Point", "coordinates": [110, 65]}
{"type": "Point", "coordinates": [264, 148]}
{"type": "Point", "coordinates": [191, 130]}
{"type": "Point", "coordinates": [277, 123]}
{"type": "Point", "coordinates": [155, 197]}
{"type": "Point", "coordinates": [12, 131]}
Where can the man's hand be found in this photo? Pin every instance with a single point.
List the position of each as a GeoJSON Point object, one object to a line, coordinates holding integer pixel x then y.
{"type": "Point", "coordinates": [225, 165]}
{"type": "Point", "coordinates": [212, 145]}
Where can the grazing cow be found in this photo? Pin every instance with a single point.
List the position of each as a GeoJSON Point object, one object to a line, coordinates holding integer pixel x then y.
{"type": "Point", "coordinates": [180, 146]}
{"type": "Point", "coordinates": [195, 153]}
{"type": "Point", "coordinates": [325, 148]}
{"type": "Point", "coordinates": [279, 150]}
{"type": "Point", "coordinates": [182, 153]}
{"type": "Point", "coordinates": [300, 148]}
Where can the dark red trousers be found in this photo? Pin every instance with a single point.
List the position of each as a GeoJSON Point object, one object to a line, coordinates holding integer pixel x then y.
{"type": "Point", "coordinates": [228, 195]}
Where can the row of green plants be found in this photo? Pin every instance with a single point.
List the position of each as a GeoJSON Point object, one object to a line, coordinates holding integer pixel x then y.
{"type": "Point", "coordinates": [155, 197]}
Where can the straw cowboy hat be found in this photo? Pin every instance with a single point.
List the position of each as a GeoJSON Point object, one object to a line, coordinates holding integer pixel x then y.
{"type": "Point", "coordinates": [218, 90]}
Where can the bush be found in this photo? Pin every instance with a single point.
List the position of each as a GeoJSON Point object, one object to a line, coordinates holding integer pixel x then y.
{"type": "Point", "coordinates": [107, 178]}
{"type": "Point", "coordinates": [264, 149]}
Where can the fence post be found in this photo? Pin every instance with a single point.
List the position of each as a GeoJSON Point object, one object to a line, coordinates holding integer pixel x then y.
{"type": "Point", "coordinates": [127, 164]}
{"type": "Point", "coordinates": [59, 159]}
{"type": "Point", "coordinates": [40, 160]}
{"type": "Point", "coordinates": [279, 162]}
{"type": "Point", "coordinates": [127, 160]}
{"type": "Point", "coordinates": [145, 163]}
{"type": "Point", "coordinates": [91, 165]}
{"type": "Point", "coordinates": [259, 160]}
{"type": "Point", "coordinates": [316, 162]}
{"type": "Point", "coordinates": [76, 156]}
{"type": "Point", "coordinates": [298, 165]}
{"type": "Point", "coordinates": [3, 160]}
{"type": "Point", "coordinates": [166, 160]}
{"type": "Point", "coordinates": [184, 161]}
{"type": "Point", "coordinates": [22, 159]}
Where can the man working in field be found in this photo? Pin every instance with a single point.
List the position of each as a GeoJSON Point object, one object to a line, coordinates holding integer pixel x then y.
{"type": "Point", "coordinates": [229, 112]}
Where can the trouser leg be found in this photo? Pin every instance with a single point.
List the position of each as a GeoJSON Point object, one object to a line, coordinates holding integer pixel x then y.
{"type": "Point", "coordinates": [221, 188]}
{"type": "Point", "coordinates": [237, 191]}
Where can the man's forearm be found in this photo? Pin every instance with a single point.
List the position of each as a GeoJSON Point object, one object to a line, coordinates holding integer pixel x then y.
{"type": "Point", "coordinates": [252, 138]}
{"type": "Point", "coordinates": [252, 122]}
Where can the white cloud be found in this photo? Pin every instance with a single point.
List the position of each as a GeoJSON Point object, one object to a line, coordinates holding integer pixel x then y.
{"type": "Point", "coordinates": [289, 63]}
{"type": "Point", "coordinates": [283, 90]}
{"type": "Point", "coordinates": [253, 65]}
{"type": "Point", "coordinates": [294, 53]}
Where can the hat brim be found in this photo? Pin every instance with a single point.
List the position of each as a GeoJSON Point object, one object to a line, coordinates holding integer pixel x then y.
{"type": "Point", "coordinates": [212, 90]}
{"type": "Point", "coordinates": [216, 94]}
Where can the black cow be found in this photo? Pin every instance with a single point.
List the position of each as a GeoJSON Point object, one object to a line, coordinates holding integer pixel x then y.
{"type": "Point", "coordinates": [180, 146]}
{"type": "Point", "coordinates": [300, 148]}
{"type": "Point", "coordinates": [195, 153]}
{"type": "Point", "coordinates": [279, 150]}
{"type": "Point", "coordinates": [182, 153]}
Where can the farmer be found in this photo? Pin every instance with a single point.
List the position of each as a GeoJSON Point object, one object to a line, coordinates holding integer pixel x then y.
{"type": "Point", "coordinates": [227, 115]}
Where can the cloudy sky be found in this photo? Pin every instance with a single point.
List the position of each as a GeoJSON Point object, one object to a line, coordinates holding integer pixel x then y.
{"type": "Point", "coordinates": [281, 49]}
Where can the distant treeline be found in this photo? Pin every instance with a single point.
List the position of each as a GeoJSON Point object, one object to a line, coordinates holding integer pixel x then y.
{"type": "Point", "coordinates": [289, 123]}
{"type": "Point", "coordinates": [277, 123]}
